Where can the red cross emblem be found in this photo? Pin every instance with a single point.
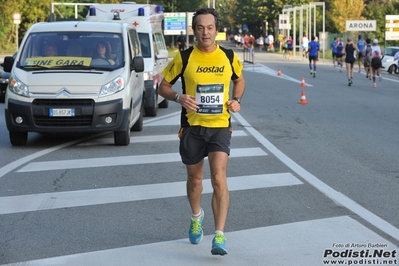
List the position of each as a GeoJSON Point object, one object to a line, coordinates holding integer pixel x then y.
{"type": "Point", "coordinates": [135, 23]}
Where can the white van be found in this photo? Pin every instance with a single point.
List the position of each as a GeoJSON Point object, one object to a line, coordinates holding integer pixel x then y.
{"type": "Point", "coordinates": [91, 81]}
{"type": "Point", "coordinates": [148, 21]}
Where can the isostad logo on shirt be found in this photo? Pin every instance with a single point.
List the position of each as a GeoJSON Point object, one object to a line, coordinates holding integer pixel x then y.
{"type": "Point", "coordinates": [213, 69]}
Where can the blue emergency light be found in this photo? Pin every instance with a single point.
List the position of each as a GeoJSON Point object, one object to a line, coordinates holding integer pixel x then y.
{"type": "Point", "coordinates": [92, 11]}
{"type": "Point", "coordinates": [141, 11]}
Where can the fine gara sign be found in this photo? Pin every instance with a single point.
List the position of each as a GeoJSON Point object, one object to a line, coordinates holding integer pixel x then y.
{"type": "Point", "coordinates": [361, 25]}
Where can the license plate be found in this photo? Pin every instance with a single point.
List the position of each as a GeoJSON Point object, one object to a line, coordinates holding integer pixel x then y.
{"type": "Point", "coordinates": [62, 112]}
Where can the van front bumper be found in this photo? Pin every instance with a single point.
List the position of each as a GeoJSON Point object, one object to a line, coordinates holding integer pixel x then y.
{"type": "Point", "coordinates": [81, 115]}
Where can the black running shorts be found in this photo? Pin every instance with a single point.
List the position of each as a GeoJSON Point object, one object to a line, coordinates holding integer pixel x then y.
{"type": "Point", "coordinates": [196, 142]}
{"type": "Point", "coordinates": [376, 63]}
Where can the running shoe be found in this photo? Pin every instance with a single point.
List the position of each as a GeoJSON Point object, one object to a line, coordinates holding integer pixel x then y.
{"type": "Point", "coordinates": [314, 74]}
{"type": "Point", "coordinates": [351, 80]}
{"type": "Point", "coordinates": [367, 76]}
{"type": "Point", "coordinates": [195, 232]}
{"type": "Point", "coordinates": [375, 85]}
{"type": "Point", "coordinates": [380, 78]}
{"type": "Point", "coordinates": [219, 245]}
{"type": "Point", "coordinates": [311, 72]}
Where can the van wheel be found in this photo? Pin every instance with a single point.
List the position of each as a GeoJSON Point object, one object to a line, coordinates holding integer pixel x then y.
{"type": "Point", "coordinates": [152, 111]}
{"type": "Point", "coordinates": [18, 138]}
{"type": "Point", "coordinates": [164, 104]}
{"type": "Point", "coordinates": [122, 138]}
{"type": "Point", "coordinates": [138, 126]}
{"type": "Point", "coordinates": [391, 69]}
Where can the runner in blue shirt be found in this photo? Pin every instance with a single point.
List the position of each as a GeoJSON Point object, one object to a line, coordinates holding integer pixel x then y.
{"type": "Point", "coordinates": [313, 51]}
{"type": "Point", "coordinates": [360, 44]}
{"type": "Point", "coordinates": [334, 51]}
{"type": "Point", "coordinates": [339, 46]}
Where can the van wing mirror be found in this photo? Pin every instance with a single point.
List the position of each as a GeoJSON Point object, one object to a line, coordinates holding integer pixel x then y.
{"type": "Point", "coordinates": [162, 54]}
{"type": "Point", "coordinates": [8, 63]}
{"type": "Point", "coordinates": [137, 64]}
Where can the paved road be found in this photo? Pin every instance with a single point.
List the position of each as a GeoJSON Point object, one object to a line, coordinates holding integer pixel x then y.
{"type": "Point", "coordinates": [82, 201]}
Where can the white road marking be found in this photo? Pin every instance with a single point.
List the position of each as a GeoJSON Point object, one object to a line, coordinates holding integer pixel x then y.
{"type": "Point", "coordinates": [338, 197]}
{"type": "Point", "coordinates": [271, 72]}
{"type": "Point", "coordinates": [126, 160]}
{"type": "Point", "coordinates": [56, 200]}
{"type": "Point", "coordinates": [150, 138]}
{"type": "Point", "coordinates": [299, 243]}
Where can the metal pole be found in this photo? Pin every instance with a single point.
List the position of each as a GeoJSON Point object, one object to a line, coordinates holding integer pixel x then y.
{"type": "Point", "coordinates": [300, 29]}
{"type": "Point", "coordinates": [16, 36]}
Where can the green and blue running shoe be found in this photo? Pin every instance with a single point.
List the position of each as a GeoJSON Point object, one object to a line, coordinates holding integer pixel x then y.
{"type": "Point", "coordinates": [195, 232]}
{"type": "Point", "coordinates": [219, 245]}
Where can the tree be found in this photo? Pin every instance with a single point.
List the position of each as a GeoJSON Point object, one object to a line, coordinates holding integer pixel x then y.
{"type": "Point", "coordinates": [343, 10]}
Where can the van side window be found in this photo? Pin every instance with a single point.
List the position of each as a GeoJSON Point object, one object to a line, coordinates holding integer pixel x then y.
{"type": "Point", "coordinates": [145, 45]}
{"type": "Point", "coordinates": [135, 45]}
{"type": "Point", "coordinates": [160, 41]}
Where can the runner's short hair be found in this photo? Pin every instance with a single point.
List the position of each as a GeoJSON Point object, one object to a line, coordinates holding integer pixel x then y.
{"type": "Point", "coordinates": [205, 11]}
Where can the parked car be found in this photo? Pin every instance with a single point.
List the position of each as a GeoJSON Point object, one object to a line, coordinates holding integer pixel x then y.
{"type": "Point", "coordinates": [388, 64]}
{"type": "Point", "coordinates": [4, 84]}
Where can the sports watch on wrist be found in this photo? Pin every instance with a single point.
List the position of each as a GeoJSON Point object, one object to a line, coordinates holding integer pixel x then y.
{"type": "Point", "coordinates": [237, 99]}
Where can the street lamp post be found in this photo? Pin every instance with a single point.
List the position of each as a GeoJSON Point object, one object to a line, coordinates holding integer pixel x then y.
{"type": "Point", "coordinates": [17, 20]}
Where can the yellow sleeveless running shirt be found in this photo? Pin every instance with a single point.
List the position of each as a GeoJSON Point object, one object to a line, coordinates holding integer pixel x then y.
{"type": "Point", "coordinates": [207, 77]}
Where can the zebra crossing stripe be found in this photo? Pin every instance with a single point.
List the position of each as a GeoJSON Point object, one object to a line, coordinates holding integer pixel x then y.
{"type": "Point", "coordinates": [126, 160]}
{"type": "Point", "coordinates": [69, 199]}
{"type": "Point", "coordinates": [282, 244]}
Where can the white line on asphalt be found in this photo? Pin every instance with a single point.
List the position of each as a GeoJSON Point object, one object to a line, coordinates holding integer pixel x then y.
{"type": "Point", "coordinates": [321, 186]}
{"type": "Point", "coordinates": [126, 160]}
{"type": "Point", "coordinates": [152, 138]}
{"type": "Point", "coordinates": [268, 71]}
{"type": "Point", "coordinates": [45, 201]}
{"type": "Point", "coordinates": [17, 163]}
{"type": "Point", "coordinates": [299, 243]}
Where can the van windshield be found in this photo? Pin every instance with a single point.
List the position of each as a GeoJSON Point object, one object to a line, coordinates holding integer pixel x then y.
{"type": "Point", "coordinates": [65, 50]}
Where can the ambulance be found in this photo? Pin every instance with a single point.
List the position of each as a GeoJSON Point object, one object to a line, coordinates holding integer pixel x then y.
{"type": "Point", "coordinates": [76, 76]}
{"type": "Point", "coordinates": [147, 19]}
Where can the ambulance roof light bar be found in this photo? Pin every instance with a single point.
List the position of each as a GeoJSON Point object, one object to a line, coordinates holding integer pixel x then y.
{"type": "Point", "coordinates": [116, 15]}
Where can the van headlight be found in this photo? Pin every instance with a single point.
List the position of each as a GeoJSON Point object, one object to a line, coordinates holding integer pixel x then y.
{"type": "Point", "coordinates": [112, 87]}
{"type": "Point", "coordinates": [18, 87]}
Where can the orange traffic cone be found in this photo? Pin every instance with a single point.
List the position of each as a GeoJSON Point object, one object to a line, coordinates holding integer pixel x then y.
{"type": "Point", "coordinates": [303, 84]}
{"type": "Point", "coordinates": [279, 72]}
{"type": "Point", "coordinates": [303, 98]}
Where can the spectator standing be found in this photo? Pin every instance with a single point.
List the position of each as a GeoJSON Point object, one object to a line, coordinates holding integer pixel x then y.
{"type": "Point", "coordinates": [261, 42]}
{"type": "Point", "coordinates": [181, 42]}
{"type": "Point", "coordinates": [271, 42]}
